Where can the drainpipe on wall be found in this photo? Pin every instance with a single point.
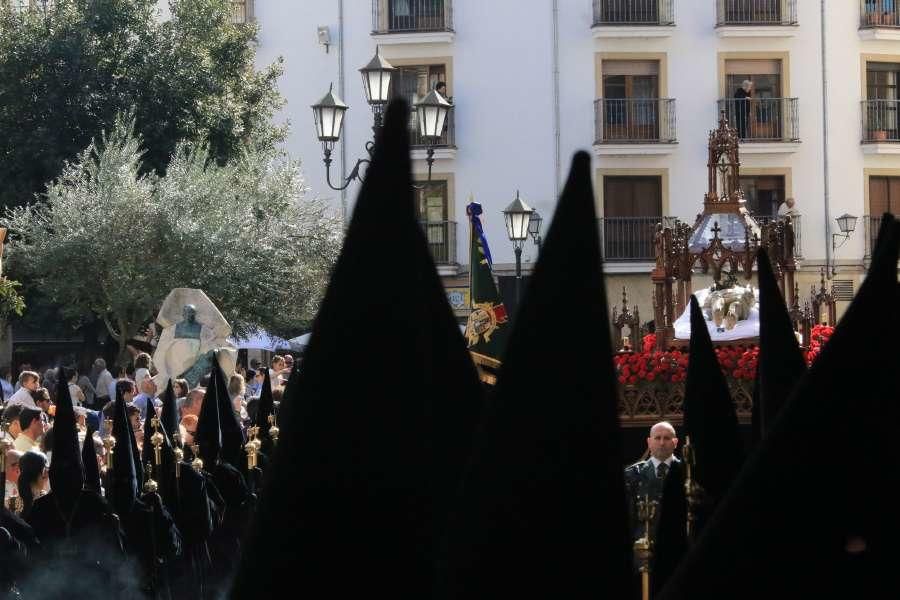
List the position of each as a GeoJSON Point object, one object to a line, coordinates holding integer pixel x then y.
{"type": "Point", "coordinates": [341, 92]}
{"type": "Point", "coordinates": [557, 176]}
{"type": "Point", "coordinates": [825, 143]}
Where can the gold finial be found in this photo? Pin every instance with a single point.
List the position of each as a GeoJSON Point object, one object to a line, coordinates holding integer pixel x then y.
{"type": "Point", "coordinates": [273, 429]}
{"type": "Point", "coordinates": [150, 486]}
{"type": "Point", "coordinates": [197, 463]}
{"type": "Point", "coordinates": [109, 442]}
{"type": "Point", "coordinates": [157, 440]}
{"type": "Point", "coordinates": [252, 447]}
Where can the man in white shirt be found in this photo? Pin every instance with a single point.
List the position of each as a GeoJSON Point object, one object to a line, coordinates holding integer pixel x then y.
{"type": "Point", "coordinates": [29, 382]}
{"type": "Point", "coordinates": [33, 423]}
{"type": "Point", "coordinates": [104, 383]}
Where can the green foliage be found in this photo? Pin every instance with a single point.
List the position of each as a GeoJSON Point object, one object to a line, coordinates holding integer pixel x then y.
{"type": "Point", "coordinates": [66, 73]}
{"type": "Point", "coordinates": [112, 241]}
{"type": "Point", "coordinates": [11, 302]}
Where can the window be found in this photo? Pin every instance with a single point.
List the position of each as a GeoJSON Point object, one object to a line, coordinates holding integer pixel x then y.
{"type": "Point", "coordinates": [413, 83]}
{"type": "Point", "coordinates": [240, 11]}
{"type": "Point", "coordinates": [432, 211]}
{"type": "Point", "coordinates": [632, 207]}
{"type": "Point", "coordinates": [760, 116]}
{"type": "Point", "coordinates": [630, 99]}
{"type": "Point", "coordinates": [882, 99]}
{"type": "Point", "coordinates": [884, 195]}
{"type": "Point", "coordinates": [763, 194]}
{"type": "Point", "coordinates": [752, 11]}
{"type": "Point", "coordinates": [881, 80]}
{"type": "Point", "coordinates": [415, 15]}
{"type": "Point", "coordinates": [629, 11]}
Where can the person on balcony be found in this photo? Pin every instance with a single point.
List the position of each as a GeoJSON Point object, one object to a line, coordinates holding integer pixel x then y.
{"type": "Point", "coordinates": [742, 107]}
{"type": "Point", "coordinates": [786, 209]}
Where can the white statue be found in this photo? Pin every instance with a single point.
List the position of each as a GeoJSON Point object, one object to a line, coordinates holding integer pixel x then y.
{"type": "Point", "coordinates": [192, 329]}
{"type": "Point", "coordinates": [729, 306]}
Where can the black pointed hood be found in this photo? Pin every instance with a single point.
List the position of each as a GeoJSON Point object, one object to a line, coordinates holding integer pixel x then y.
{"type": "Point", "coordinates": [125, 483]}
{"type": "Point", "coordinates": [266, 406]}
{"type": "Point", "coordinates": [376, 428]}
{"type": "Point", "coordinates": [89, 460]}
{"type": "Point", "coordinates": [813, 494]}
{"type": "Point", "coordinates": [710, 418]}
{"type": "Point", "coordinates": [66, 470]}
{"type": "Point", "coordinates": [209, 432]}
{"type": "Point", "coordinates": [232, 437]}
{"type": "Point", "coordinates": [543, 507]}
{"type": "Point", "coordinates": [169, 415]}
{"type": "Point", "coordinates": [781, 363]}
{"type": "Point", "coordinates": [147, 445]}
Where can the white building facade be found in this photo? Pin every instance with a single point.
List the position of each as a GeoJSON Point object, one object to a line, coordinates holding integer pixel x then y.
{"type": "Point", "coordinates": [639, 83]}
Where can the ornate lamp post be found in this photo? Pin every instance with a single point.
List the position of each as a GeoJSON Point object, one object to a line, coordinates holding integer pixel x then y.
{"type": "Point", "coordinates": [518, 216]}
{"type": "Point", "coordinates": [847, 225]}
{"type": "Point", "coordinates": [376, 77]}
{"type": "Point", "coordinates": [431, 114]}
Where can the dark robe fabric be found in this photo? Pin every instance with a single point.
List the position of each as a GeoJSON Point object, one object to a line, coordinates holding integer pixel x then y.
{"type": "Point", "coordinates": [17, 543]}
{"type": "Point", "coordinates": [81, 556]}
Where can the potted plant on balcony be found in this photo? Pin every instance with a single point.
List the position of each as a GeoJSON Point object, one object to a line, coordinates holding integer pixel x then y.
{"type": "Point", "coordinates": [877, 127]}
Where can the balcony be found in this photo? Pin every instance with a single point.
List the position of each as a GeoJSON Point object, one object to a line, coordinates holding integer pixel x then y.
{"type": "Point", "coordinates": [879, 20]}
{"type": "Point", "coordinates": [633, 18]}
{"type": "Point", "coordinates": [629, 239]}
{"type": "Point", "coordinates": [634, 126]}
{"type": "Point", "coordinates": [756, 18]}
{"type": "Point", "coordinates": [795, 221]}
{"type": "Point", "coordinates": [764, 125]}
{"type": "Point", "coordinates": [880, 126]}
{"type": "Point", "coordinates": [441, 237]}
{"type": "Point", "coordinates": [412, 21]}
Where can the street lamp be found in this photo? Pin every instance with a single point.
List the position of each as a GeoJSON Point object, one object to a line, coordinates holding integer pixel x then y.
{"type": "Point", "coordinates": [534, 228]}
{"type": "Point", "coordinates": [431, 113]}
{"type": "Point", "coordinates": [518, 216]}
{"type": "Point", "coordinates": [847, 225]}
{"type": "Point", "coordinates": [376, 77]}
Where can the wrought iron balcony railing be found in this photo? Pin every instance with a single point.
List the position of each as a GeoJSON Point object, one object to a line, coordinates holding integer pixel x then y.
{"type": "Point", "coordinates": [756, 12]}
{"type": "Point", "coordinates": [441, 236]}
{"type": "Point", "coordinates": [763, 119]}
{"type": "Point", "coordinates": [871, 225]}
{"type": "Point", "coordinates": [795, 220]}
{"type": "Point", "coordinates": [880, 121]}
{"type": "Point", "coordinates": [879, 13]}
{"type": "Point", "coordinates": [634, 12]}
{"type": "Point", "coordinates": [411, 16]}
{"type": "Point", "coordinates": [447, 140]}
{"type": "Point", "coordinates": [634, 120]}
{"type": "Point", "coordinates": [629, 238]}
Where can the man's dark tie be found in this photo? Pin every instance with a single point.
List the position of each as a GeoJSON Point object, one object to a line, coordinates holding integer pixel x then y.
{"type": "Point", "coordinates": [661, 470]}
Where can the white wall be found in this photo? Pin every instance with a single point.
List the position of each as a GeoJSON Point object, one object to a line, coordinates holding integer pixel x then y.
{"type": "Point", "coordinates": [502, 84]}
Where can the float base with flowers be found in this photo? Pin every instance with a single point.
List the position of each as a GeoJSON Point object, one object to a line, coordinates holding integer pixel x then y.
{"type": "Point", "coordinates": [651, 382]}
